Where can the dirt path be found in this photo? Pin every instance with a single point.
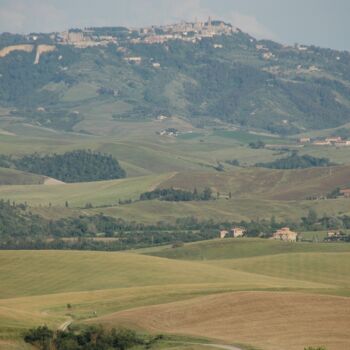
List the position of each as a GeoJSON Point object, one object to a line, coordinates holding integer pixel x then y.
{"type": "Point", "coordinates": [49, 181]}
{"type": "Point", "coordinates": [169, 177]}
{"type": "Point", "coordinates": [217, 346]}
{"type": "Point", "coordinates": [63, 327]}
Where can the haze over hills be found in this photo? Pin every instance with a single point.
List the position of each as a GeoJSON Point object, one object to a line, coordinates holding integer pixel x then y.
{"type": "Point", "coordinates": [207, 73]}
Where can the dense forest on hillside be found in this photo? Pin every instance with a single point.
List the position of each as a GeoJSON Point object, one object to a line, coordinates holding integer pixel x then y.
{"type": "Point", "coordinates": [287, 91]}
{"type": "Point", "coordinates": [295, 161]}
{"type": "Point", "coordinates": [75, 166]}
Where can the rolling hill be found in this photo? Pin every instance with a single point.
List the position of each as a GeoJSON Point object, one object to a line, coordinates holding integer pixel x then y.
{"type": "Point", "coordinates": [279, 319]}
{"type": "Point", "coordinates": [231, 78]}
{"type": "Point", "coordinates": [181, 114]}
{"type": "Point", "coordinates": [234, 282]}
{"type": "Point", "coordinates": [255, 193]}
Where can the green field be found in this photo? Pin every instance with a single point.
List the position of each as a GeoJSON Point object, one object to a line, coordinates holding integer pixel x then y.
{"type": "Point", "coordinates": [98, 193]}
{"type": "Point", "coordinates": [246, 248]}
{"type": "Point", "coordinates": [256, 193]}
{"type": "Point", "coordinates": [37, 285]}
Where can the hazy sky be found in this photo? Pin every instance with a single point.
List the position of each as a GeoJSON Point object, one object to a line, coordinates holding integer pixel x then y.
{"type": "Point", "coordinates": [321, 22]}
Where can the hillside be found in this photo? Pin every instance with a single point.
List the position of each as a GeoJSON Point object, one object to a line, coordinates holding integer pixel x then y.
{"type": "Point", "coordinates": [225, 250]}
{"type": "Point", "coordinates": [218, 317]}
{"type": "Point", "coordinates": [266, 184]}
{"type": "Point", "coordinates": [255, 192]}
{"type": "Point", "coordinates": [15, 177]}
{"type": "Point", "coordinates": [204, 298]}
{"type": "Point", "coordinates": [228, 77]}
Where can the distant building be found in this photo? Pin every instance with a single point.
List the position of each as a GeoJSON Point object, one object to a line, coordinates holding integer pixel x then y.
{"type": "Point", "coordinates": [322, 143]}
{"type": "Point", "coordinates": [342, 144]}
{"type": "Point", "coordinates": [235, 232]}
{"type": "Point", "coordinates": [285, 234]}
{"type": "Point", "coordinates": [304, 140]}
{"type": "Point", "coordinates": [334, 139]}
{"type": "Point", "coordinates": [345, 193]}
{"type": "Point", "coordinates": [268, 55]}
{"type": "Point", "coordinates": [136, 60]}
{"type": "Point", "coordinates": [238, 232]}
{"type": "Point", "coordinates": [223, 234]}
{"type": "Point", "coordinates": [333, 233]}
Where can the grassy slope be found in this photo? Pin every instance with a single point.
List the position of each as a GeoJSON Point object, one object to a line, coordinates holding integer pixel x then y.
{"type": "Point", "coordinates": [99, 193]}
{"type": "Point", "coordinates": [246, 248]}
{"type": "Point", "coordinates": [15, 177]}
{"type": "Point", "coordinates": [40, 272]}
{"type": "Point", "coordinates": [279, 320]}
{"type": "Point", "coordinates": [37, 285]}
{"type": "Point", "coordinates": [267, 183]}
{"type": "Point", "coordinates": [271, 321]}
{"type": "Point", "coordinates": [255, 193]}
{"type": "Point", "coordinates": [234, 210]}
{"type": "Point", "coordinates": [317, 267]}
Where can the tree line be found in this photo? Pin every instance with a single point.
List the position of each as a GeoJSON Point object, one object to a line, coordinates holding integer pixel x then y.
{"type": "Point", "coordinates": [75, 166]}
{"type": "Point", "coordinates": [295, 161]}
{"type": "Point", "coordinates": [176, 195]}
{"type": "Point", "coordinates": [21, 229]}
{"type": "Point", "coordinates": [89, 338]}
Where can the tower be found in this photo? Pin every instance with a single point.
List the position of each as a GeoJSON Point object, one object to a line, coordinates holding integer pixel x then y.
{"type": "Point", "coordinates": [209, 23]}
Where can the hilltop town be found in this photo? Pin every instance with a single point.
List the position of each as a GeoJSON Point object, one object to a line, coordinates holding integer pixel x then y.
{"type": "Point", "coordinates": [185, 31]}
{"type": "Point", "coordinates": [191, 32]}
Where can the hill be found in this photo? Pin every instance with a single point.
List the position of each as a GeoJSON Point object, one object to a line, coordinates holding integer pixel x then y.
{"type": "Point", "coordinates": [245, 248]}
{"type": "Point", "coordinates": [255, 193]}
{"type": "Point", "coordinates": [230, 77]}
{"type": "Point", "coordinates": [267, 184]}
{"type": "Point", "coordinates": [79, 194]}
{"type": "Point", "coordinates": [278, 319]}
{"type": "Point", "coordinates": [243, 183]}
{"type": "Point", "coordinates": [16, 177]}
{"type": "Point", "coordinates": [137, 290]}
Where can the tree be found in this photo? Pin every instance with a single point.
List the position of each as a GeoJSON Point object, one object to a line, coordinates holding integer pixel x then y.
{"type": "Point", "coordinates": [312, 217]}
{"type": "Point", "coordinates": [257, 144]}
{"type": "Point", "coordinates": [41, 336]}
{"type": "Point", "coordinates": [206, 195]}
